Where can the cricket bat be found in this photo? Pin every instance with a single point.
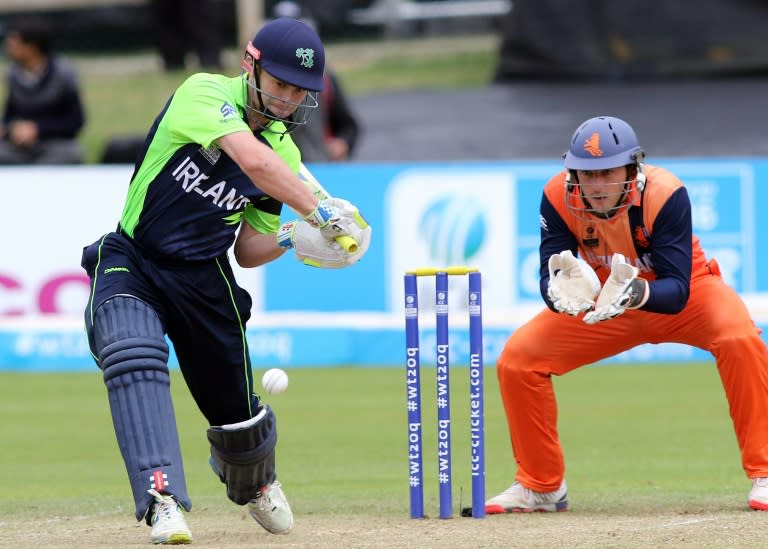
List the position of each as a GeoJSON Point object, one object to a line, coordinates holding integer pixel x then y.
{"type": "Point", "coordinates": [346, 242]}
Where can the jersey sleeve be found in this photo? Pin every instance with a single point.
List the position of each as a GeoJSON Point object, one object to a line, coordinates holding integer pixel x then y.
{"type": "Point", "coordinates": [671, 255]}
{"type": "Point", "coordinates": [264, 215]}
{"type": "Point", "coordinates": [205, 109]}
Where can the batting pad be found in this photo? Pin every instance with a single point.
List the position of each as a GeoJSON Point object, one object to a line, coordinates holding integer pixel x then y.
{"type": "Point", "coordinates": [243, 455]}
{"type": "Point", "coordinates": [133, 356]}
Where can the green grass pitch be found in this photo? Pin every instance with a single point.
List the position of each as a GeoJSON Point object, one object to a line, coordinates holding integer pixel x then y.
{"type": "Point", "coordinates": [634, 435]}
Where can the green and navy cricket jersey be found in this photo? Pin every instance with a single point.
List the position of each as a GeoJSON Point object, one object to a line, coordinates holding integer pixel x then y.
{"type": "Point", "coordinates": [187, 198]}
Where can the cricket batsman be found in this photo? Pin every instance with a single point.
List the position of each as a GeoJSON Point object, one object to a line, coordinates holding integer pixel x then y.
{"type": "Point", "coordinates": [620, 266]}
{"type": "Point", "coordinates": [217, 166]}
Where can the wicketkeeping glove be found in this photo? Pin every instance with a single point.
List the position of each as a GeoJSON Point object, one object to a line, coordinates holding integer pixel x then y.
{"type": "Point", "coordinates": [623, 290]}
{"type": "Point", "coordinates": [573, 284]}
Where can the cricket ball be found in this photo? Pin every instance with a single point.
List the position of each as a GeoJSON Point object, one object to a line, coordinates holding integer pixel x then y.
{"type": "Point", "coordinates": [274, 381]}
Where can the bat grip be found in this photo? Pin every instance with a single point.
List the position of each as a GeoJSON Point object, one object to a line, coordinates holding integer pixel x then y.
{"type": "Point", "coordinates": [348, 244]}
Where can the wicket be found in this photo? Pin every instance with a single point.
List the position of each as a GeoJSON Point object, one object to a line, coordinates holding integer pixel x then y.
{"type": "Point", "coordinates": [413, 386]}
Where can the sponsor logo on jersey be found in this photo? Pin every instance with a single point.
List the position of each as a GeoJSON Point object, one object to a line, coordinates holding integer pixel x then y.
{"type": "Point", "coordinates": [211, 154]}
{"type": "Point", "coordinates": [590, 240]}
{"type": "Point", "coordinates": [228, 110]}
{"type": "Point", "coordinates": [601, 261]}
{"type": "Point", "coordinates": [116, 270]}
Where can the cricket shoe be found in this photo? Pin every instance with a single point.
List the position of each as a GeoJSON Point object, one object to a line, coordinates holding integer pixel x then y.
{"type": "Point", "coordinates": [168, 524]}
{"type": "Point", "coordinates": [270, 509]}
{"type": "Point", "coordinates": [758, 496]}
{"type": "Point", "coordinates": [519, 499]}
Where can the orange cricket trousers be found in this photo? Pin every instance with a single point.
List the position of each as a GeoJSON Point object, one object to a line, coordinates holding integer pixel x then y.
{"type": "Point", "coordinates": [715, 319]}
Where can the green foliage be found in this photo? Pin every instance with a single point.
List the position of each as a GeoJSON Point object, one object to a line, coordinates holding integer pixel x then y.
{"type": "Point", "coordinates": [123, 94]}
{"type": "Point", "coordinates": [461, 70]}
{"type": "Point", "coordinates": [123, 104]}
{"type": "Point", "coordinates": [635, 437]}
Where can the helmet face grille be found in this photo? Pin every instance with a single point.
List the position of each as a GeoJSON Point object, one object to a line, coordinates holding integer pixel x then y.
{"type": "Point", "coordinates": [254, 105]}
{"type": "Point", "coordinates": [622, 195]}
{"type": "Point", "coordinates": [578, 203]}
{"type": "Point", "coordinates": [603, 143]}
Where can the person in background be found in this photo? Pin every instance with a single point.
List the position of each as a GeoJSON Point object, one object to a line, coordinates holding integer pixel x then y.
{"type": "Point", "coordinates": [181, 26]}
{"type": "Point", "coordinates": [620, 267]}
{"type": "Point", "coordinates": [332, 133]}
{"type": "Point", "coordinates": [43, 109]}
{"type": "Point", "coordinates": [217, 166]}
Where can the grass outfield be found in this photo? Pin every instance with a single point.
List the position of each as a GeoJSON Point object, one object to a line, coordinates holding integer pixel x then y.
{"type": "Point", "coordinates": [641, 441]}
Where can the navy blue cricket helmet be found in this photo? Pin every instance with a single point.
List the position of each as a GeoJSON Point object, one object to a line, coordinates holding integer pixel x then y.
{"type": "Point", "coordinates": [602, 143]}
{"type": "Point", "coordinates": [291, 51]}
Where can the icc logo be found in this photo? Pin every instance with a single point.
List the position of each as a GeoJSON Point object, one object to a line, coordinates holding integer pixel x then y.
{"type": "Point", "coordinates": [454, 228]}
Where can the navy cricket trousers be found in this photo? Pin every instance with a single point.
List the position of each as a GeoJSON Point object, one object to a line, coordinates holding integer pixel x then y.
{"type": "Point", "coordinates": [202, 310]}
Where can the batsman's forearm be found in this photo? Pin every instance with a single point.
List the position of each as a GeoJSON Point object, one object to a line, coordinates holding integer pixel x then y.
{"type": "Point", "coordinates": [347, 243]}
{"type": "Point", "coordinates": [268, 171]}
{"type": "Point", "coordinates": [283, 185]}
{"type": "Point", "coordinates": [254, 249]}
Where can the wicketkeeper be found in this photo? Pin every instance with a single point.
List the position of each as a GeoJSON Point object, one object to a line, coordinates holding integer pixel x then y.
{"type": "Point", "coordinates": [217, 166]}
{"type": "Point", "coordinates": [620, 266]}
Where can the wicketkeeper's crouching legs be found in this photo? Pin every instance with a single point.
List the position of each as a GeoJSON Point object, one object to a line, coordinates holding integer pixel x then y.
{"type": "Point", "coordinates": [130, 345]}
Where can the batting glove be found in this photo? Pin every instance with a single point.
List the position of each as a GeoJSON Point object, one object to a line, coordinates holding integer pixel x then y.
{"type": "Point", "coordinates": [313, 249]}
{"type": "Point", "coordinates": [573, 284]}
{"type": "Point", "coordinates": [623, 290]}
{"type": "Point", "coordinates": [336, 217]}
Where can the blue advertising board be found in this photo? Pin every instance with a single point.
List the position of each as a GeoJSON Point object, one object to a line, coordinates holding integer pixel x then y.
{"type": "Point", "coordinates": [486, 215]}
{"type": "Point", "coordinates": [482, 214]}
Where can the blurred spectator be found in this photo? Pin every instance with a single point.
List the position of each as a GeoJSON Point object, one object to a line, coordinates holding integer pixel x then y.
{"type": "Point", "coordinates": [43, 109]}
{"type": "Point", "coordinates": [332, 131]}
{"type": "Point", "coordinates": [182, 26]}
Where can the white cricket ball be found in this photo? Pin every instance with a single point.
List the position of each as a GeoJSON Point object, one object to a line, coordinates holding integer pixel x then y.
{"type": "Point", "coordinates": [275, 381]}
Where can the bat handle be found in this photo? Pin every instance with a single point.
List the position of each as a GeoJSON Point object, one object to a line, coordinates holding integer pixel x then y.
{"type": "Point", "coordinates": [348, 244]}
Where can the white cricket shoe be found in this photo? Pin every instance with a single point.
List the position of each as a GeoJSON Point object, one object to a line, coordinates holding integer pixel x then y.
{"type": "Point", "coordinates": [519, 499]}
{"type": "Point", "coordinates": [758, 496]}
{"type": "Point", "coordinates": [271, 510]}
{"type": "Point", "coordinates": [168, 524]}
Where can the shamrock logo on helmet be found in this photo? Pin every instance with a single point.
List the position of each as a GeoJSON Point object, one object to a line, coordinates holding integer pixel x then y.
{"type": "Point", "coordinates": [307, 56]}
